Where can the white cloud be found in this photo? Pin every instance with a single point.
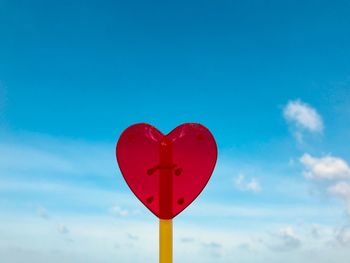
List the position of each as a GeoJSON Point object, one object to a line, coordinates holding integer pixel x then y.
{"type": "Point", "coordinates": [327, 167]}
{"type": "Point", "coordinates": [105, 239]}
{"type": "Point", "coordinates": [97, 237]}
{"type": "Point", "coordinates": [253, 185]}
{"type": "Point", "coordinates": [243, 184]}
{"type": "Point", "coordinates": [118, 211]}
{"type": "Point", "coordinates": [303, 116]}
{"type": "Point", "coordinates": [335, 172]}
{"type": "Point", "coordinates": [340, 189]}
{"type": "Point", "coordinates": [289, 238]}
{"type": "Point", "coordinates": [95, 241]}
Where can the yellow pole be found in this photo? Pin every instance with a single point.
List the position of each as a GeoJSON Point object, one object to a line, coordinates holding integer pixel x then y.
{"type": "Point", "coordinates": [165, 241]}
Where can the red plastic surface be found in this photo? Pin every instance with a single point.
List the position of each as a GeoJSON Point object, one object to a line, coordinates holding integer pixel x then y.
{"type": "Point", "coordinates": [166, 172]}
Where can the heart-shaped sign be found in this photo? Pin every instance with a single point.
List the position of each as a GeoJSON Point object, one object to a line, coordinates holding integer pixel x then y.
{"type": "Point", "coordinates": [166, 172]}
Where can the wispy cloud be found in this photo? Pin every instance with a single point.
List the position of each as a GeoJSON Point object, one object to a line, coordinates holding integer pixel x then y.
{"type": "Point", "coordinates": [341, 190]}
{"type": "Point", "coordinates": [289, 238]}
{"type": "Point", "coordinates": [243, 184]}
{"type": "Point", "coordinates": [62, 229]}
{"type": "Point", "coordinates": [343, 236]}
{"type": "Point", "coordinates": [332, 175]}
{"type": "Point", "coordinates": [118, 211]}
{"type": "Point", "coordinates": [44, 155]}
{"type": "Point", "coordinates": [325, 168]}
{"type": "Point", "coordinates": [284, 240]}
{"type": "Point", "coordinates": [42, 212]}
{"type": "Point", "coordinates": [106, 238]}
{"type": "Point", "coordinates": [302, 117]}
{"type": "Point", "coordinates": [215, 226]}
{"type": "Point", "coordinates": [61, 172]}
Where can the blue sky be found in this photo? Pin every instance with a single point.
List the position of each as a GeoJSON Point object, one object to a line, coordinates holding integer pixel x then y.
{"type": "Point", "coordinates": [270, 79]}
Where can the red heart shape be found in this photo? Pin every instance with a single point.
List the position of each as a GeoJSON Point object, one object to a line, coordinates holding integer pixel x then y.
{"type": "Point", "coordinates": [166, 172]}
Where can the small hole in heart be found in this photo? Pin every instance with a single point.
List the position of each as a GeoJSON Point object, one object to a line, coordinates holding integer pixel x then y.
{"type": "Point", "coordinates": [178, 171]}
{"type": "Point", "coordinates": [200, 137]}
{"type": "Point", "coordinates": [152, 170]}
{"type": "Point", "coordinates": [149, 199]}
{"type": "Point", "coordinates": [181, 201]}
